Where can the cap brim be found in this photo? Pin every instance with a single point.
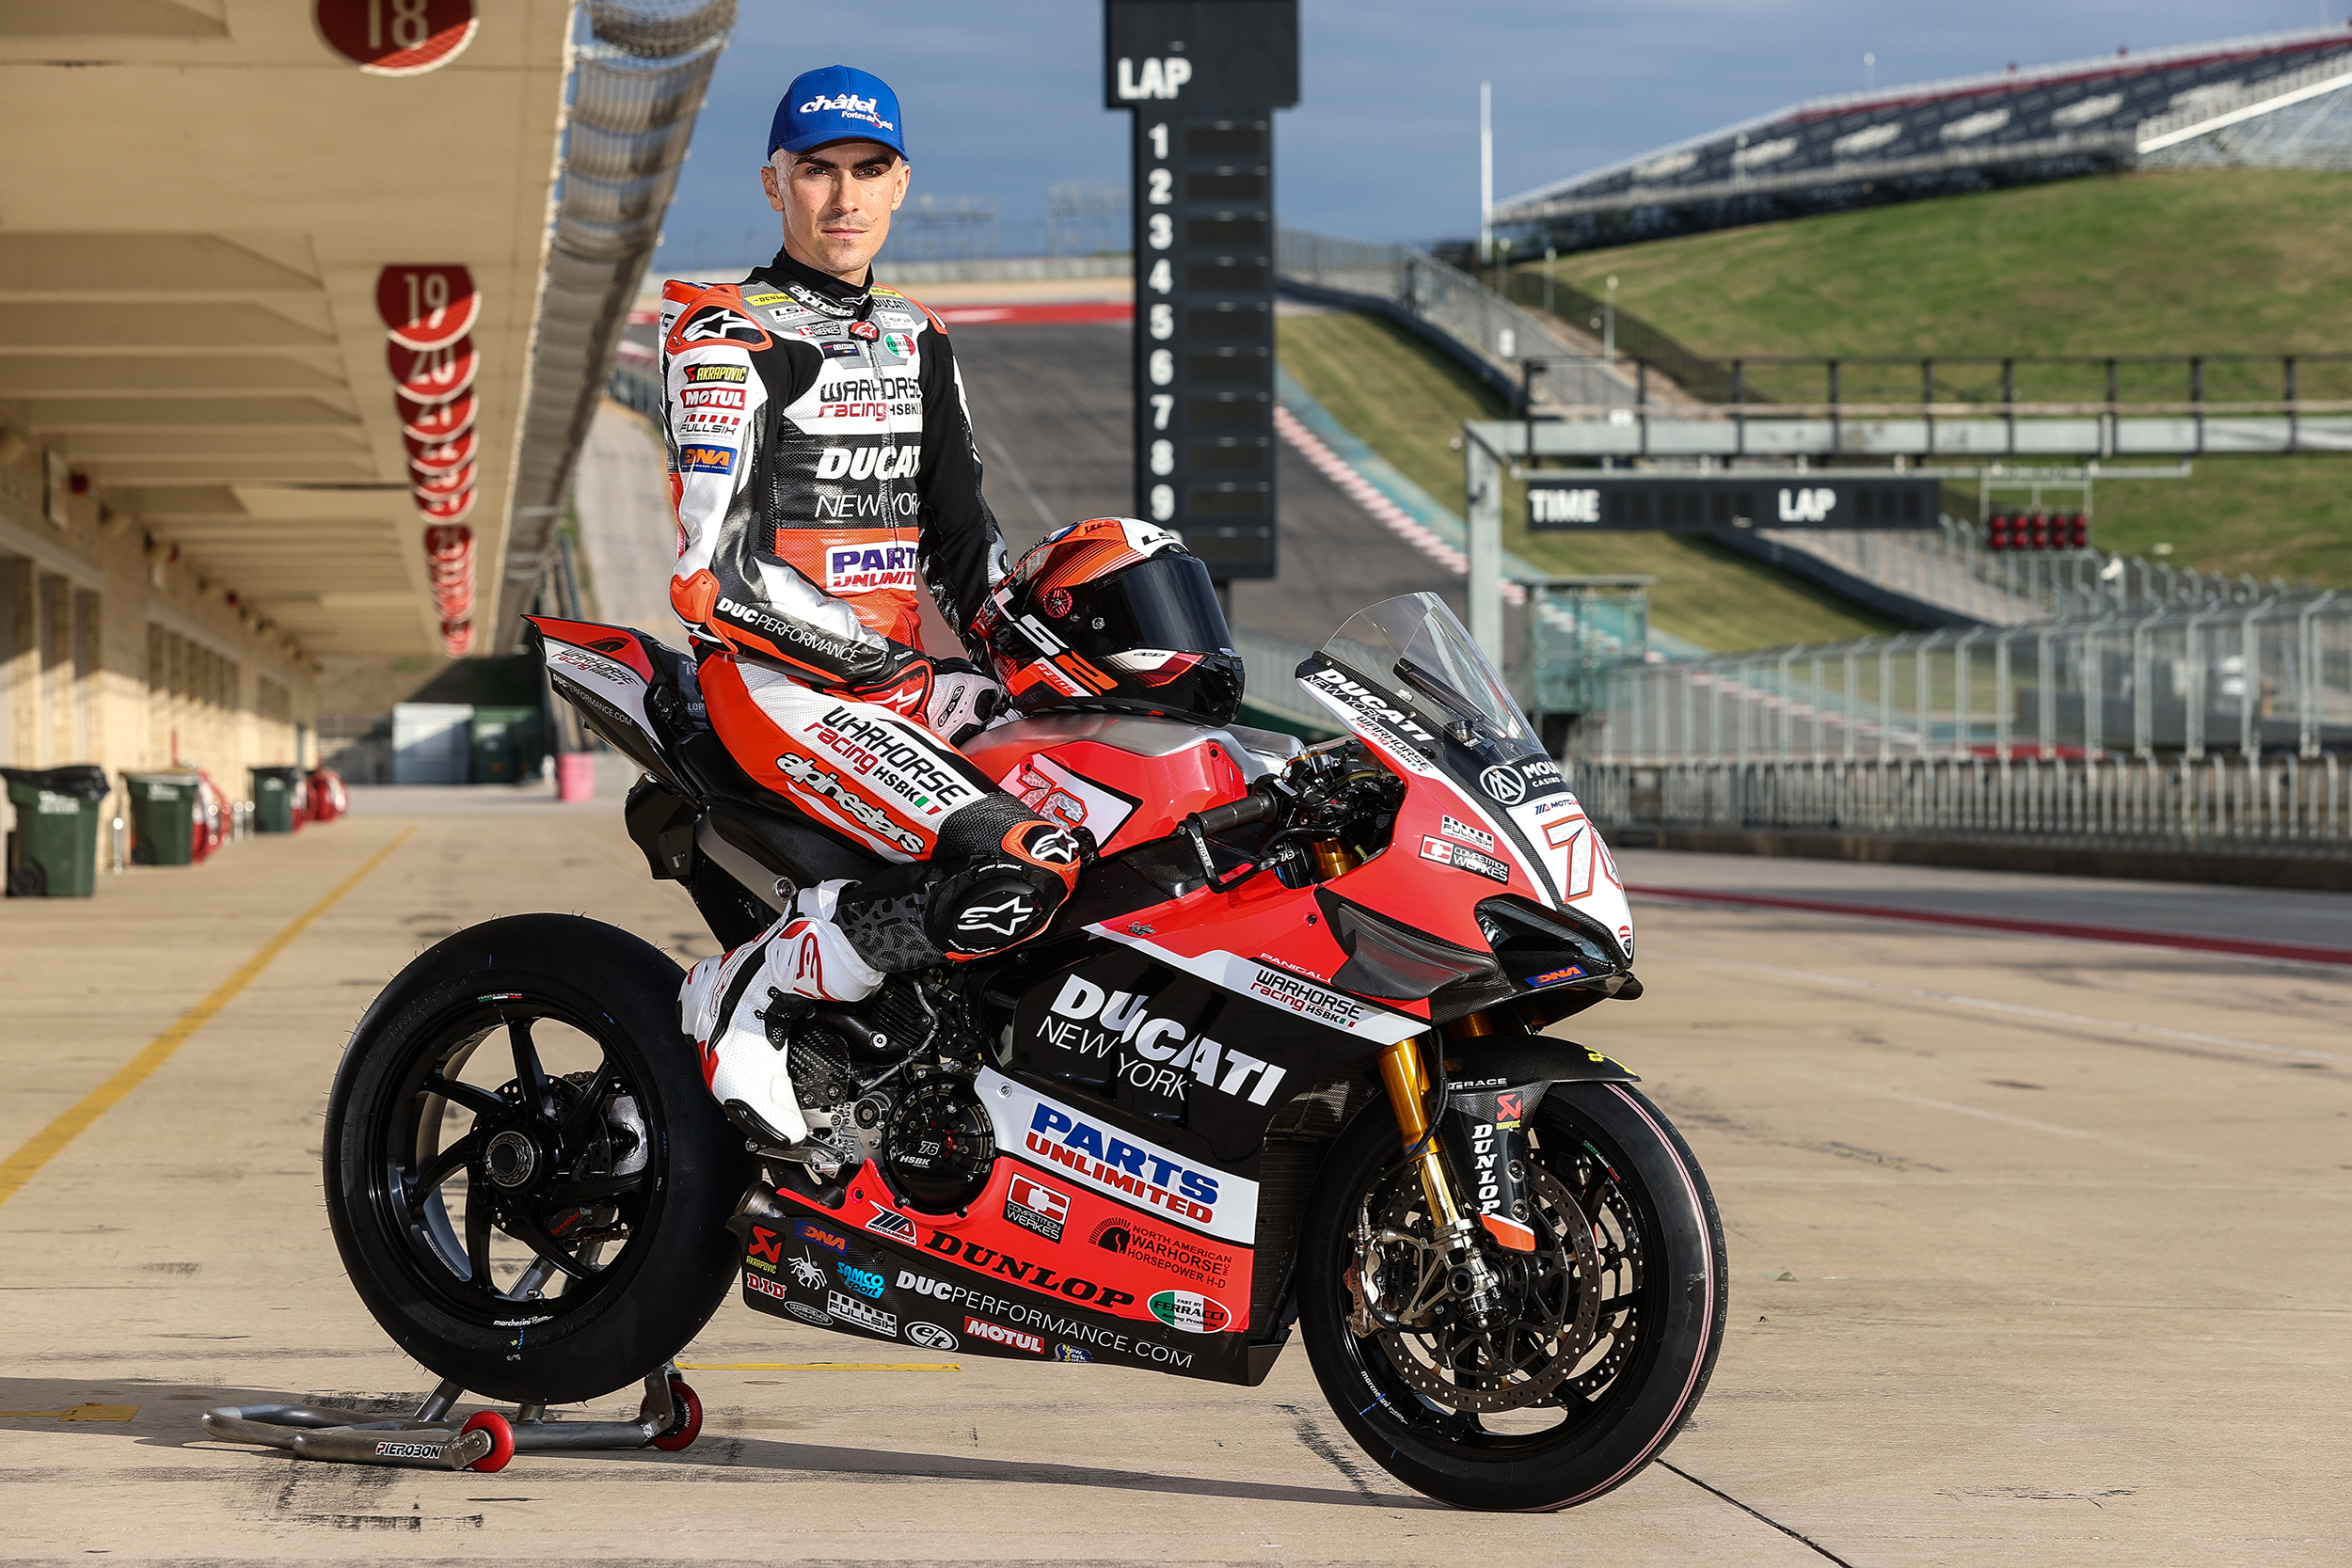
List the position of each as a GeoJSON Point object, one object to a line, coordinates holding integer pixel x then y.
{"type": "Point", "coordinates": [811, 143]}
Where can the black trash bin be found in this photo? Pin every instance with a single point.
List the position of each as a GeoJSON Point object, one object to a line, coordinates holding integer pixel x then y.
{"type": "Point", "coordinates": [54, 852]}
{"type": "Point", "coordinates": [277, 799]}
{"type": "Point", "coordinates": [163, 808]}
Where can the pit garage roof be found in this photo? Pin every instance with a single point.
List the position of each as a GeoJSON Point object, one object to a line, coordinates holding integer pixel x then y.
{"type": "Point", "coordinates": [198, 199]}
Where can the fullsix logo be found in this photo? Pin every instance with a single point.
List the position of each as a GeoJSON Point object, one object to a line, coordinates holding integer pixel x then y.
{"type": "Point", "coordinates": [706, 460]}
{"type": "Point", "coordinates": [852, 570]}
{"type": "Point", "coordinates": [1089, 1022]}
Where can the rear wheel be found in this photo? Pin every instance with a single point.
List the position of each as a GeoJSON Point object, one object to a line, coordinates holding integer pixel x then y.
{"type": "Point", "coordinates": [1614, 1320]}
{"type": "Point", "coordinates": [526, 1177]}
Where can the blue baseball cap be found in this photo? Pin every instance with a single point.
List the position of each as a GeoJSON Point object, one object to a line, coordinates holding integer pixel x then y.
{"type": "Point", "coordinates": [836, 102]}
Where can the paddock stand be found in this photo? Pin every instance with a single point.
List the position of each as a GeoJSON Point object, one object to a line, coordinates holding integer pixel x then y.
{"type": "Point", "coordinates": [670, 1419]}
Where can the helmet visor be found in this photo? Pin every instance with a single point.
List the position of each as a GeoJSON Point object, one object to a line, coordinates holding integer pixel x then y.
{"type": "Point", "coordinates": [1163, 603]}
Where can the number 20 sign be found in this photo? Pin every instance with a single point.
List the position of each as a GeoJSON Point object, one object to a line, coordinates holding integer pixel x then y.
{"type": "Point", "coordinates": [396, 38]}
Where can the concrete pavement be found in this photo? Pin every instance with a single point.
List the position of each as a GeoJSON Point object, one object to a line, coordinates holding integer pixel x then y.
{"type": "Point", "coordinates": [2030, 1263]}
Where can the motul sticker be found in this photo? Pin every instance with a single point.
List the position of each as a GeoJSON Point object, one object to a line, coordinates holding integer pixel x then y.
{"type": "Point", "coordinates": [1193, 1313]}
{"type": "Point", "coordinates": [997, 1334]}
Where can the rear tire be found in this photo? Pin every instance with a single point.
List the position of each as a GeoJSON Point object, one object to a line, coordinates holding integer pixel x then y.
{"type": "Point", "coordinates": [1660, 1326]}
{"type": "Point", "coordinates": [573, 1240]}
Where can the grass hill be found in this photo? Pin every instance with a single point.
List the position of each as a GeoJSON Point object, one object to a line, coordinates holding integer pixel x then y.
{"type": "Point", "coordinates": [2206, 261]}
{"type": "Point", "coordinates": [1408, 401]}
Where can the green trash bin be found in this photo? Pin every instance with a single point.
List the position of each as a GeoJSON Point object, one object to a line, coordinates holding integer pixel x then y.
{"type": "Point", "coordinates": [163, 808]}
{"type": "Point", "coordinates": [506, 744]}
{"type": "Point", "coordinates": [277, 799]}
{"type": "Point", "coordinates": [54, 852]}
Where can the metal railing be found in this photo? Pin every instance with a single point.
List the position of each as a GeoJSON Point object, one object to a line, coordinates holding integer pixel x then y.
{"type": "Point", "coordinates": [1951, 568]}
{"type": "Point", "coordinates": [1417, 284]}
{"type": "Point", "coordinates": [2262, 679]}
{"type": "Point", "coordinates": [2229, 804]}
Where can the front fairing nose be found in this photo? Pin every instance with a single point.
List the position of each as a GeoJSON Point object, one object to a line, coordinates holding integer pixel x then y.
{"type": "Point", "coordinates": [1607, 904]}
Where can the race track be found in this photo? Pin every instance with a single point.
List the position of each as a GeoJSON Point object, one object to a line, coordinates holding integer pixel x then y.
{"type": "Point", "coordinates": [1052, 406]}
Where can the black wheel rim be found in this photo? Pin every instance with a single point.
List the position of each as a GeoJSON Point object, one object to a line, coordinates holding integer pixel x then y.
{"type": "Point", "coordinates": [1611, 1282]}
{"type": "Point", "coordinates": [513, 1160]}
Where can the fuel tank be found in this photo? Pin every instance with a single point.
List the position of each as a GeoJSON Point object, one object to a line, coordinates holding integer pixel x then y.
{"type": "Point", "coordinates": [1125, 780]}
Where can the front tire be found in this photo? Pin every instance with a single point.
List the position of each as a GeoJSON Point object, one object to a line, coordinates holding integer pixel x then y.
{"type": "Point", "coordinates": [1651, 1285]}
{"type": "Point", "coordinates": [527, 1179]}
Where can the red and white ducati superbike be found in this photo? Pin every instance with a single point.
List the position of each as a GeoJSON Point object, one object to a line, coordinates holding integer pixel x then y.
{"type": "Point", "coordinates": [1278, 1065]}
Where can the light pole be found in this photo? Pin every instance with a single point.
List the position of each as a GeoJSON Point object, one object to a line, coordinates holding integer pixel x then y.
{"type": "Point", "coordinates": [1870, 71]}
{"type": "Point", "coordinates": [1486, 172]}
{"type": "Point", "coordinates": [1609, 322]}
{"type": "Point", "coordinates": [1550, 255]}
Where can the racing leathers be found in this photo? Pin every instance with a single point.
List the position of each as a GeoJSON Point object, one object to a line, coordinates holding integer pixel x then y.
{"type": "Point", "coordinates": [822, 468]}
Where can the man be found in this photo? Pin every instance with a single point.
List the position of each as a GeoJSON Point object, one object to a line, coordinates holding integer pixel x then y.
{"type": "Point", "coordinates": [820, 464]}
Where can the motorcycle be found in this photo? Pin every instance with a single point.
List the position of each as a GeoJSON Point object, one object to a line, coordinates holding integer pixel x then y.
{"type": "Point", "coordinates": [1276, 1066]}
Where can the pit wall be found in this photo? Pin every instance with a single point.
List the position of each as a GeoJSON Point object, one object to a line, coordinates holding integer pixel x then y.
{"type": "Point", "coordinates": [113, 654]}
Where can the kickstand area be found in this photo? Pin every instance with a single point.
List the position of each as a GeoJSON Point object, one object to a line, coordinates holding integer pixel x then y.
{"type": "Point", "coordinates": [671, 1418]}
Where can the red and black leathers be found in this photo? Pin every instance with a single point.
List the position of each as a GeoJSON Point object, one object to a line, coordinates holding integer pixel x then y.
{"type": "Point", "coordinates": [822, 470]}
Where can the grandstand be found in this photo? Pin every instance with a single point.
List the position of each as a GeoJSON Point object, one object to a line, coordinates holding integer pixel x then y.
{"type": "Point", "coordinates": [2272, 100]}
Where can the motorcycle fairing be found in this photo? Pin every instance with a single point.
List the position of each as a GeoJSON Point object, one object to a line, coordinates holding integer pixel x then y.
{"type": "Point", "coordinates": [1490, 788]}
{"type": "Point", "coordinates": [1082, 1277]}
{"type": "Point", "coordinates": [606, 673]}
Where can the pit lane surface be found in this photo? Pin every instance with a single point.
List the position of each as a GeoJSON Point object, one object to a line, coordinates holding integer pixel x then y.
{"type": "Point", "coordinates": [2063, 1286]}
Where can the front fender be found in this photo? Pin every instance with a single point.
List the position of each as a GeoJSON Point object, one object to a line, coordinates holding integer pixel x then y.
{"type": "Point", "coordinates": [1493, 1061]}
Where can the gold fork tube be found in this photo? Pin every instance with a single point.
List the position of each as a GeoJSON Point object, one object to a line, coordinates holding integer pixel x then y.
{"type": "Point", "coordinates": [1406, 1079]}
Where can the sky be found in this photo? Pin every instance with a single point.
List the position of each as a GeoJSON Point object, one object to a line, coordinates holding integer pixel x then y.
{"type": "Point", "coordinates": [1003, 98]}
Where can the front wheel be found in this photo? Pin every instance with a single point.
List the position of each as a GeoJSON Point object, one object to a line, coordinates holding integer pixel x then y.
{"type": "Point", "coordinates": [526, 1177]}
{"type": "Point", "coordinates": [1610, 1326]}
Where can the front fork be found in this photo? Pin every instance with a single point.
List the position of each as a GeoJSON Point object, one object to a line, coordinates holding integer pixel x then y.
{"type": "Point", "coordinates": [1405, 1076]}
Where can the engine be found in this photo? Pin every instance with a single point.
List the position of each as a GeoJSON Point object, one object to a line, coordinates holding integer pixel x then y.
{"type": "Point", "coordinates": [889, 1080]}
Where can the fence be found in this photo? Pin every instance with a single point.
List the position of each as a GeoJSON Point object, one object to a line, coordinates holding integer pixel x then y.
{"type": "Point", "coordinates": [2214, 804]}
{"type": "Point", "coordinates": [1415, 284]}
{"type": "Point", "coordinates": [2263, 679]}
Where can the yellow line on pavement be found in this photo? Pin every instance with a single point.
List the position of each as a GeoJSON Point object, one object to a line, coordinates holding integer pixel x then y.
{"type": "Point", "coordinates": [44, 1146]}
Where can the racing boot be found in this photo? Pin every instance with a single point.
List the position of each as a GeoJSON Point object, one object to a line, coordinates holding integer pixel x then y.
{"type": "Point", "coordinates": [725, 1000]}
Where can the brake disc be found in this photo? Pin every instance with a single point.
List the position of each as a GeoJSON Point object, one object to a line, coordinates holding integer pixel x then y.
{"type": "Point", "coordinates": [1553, 1293]}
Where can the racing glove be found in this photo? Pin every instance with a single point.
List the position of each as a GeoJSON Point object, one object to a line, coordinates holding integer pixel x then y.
{"type": "Point", "coordinates": [963, 698]}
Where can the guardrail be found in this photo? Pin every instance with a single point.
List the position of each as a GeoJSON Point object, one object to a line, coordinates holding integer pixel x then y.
{"type": "Point", "coordinates": [2264, 679]}
{"type": "Point", "coordinates": [2225, 804]}
{"type": "Point", "coordinates": [1415, 285]}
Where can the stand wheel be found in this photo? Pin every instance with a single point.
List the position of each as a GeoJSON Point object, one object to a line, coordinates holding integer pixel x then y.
{"type": "Point", "coordinates": [501, 1439]}
{"type": "Point", "coordinates": [689, 1422]}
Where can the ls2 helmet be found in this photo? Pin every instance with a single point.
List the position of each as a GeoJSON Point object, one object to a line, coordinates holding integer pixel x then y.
{"type": "Point", "coordinates": [1111, 615]}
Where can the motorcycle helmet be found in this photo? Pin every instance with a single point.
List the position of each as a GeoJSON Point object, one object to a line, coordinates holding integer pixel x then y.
{"type": "Point", "coordinates": [1112, 615]}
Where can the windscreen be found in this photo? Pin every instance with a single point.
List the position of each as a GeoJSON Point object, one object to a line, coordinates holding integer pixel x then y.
{"type": "Point", "coordinates": [1423, 657]}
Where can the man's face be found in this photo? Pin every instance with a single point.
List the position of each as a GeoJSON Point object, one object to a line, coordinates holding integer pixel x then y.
{"type": "Point", "coordinates": [836, 202]}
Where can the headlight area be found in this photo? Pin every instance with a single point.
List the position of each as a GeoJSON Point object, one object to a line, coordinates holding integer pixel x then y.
{"type": "Point", "coordinates": [1558, 961]}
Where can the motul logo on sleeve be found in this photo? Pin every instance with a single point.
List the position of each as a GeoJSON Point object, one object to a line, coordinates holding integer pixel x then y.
{"type": "Point", "coordinates": [711, 397]}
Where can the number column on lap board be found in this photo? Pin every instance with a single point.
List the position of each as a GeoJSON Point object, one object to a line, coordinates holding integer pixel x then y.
{"type": "Point", "coordinates": [1204, 78]}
